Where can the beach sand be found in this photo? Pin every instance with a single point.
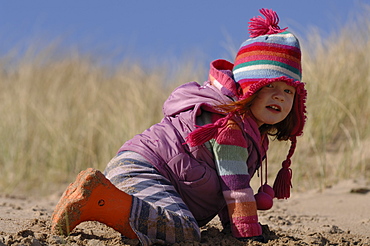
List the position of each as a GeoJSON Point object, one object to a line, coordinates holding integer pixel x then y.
{"type": "Point", "coordinates": [338, 215]}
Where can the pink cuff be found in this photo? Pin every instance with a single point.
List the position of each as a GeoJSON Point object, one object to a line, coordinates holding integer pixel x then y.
{"type": "Point", "coordinates": [240, 229]}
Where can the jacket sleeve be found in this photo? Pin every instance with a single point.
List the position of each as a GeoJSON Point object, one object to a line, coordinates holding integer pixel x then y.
{"type": "Point", "coordinates": [230, 151]}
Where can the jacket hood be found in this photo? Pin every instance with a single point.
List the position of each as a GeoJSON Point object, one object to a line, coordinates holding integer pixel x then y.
{"type": "Point", "coordinates": [212, 92]}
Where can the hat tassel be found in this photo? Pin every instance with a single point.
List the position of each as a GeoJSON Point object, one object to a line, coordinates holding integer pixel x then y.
{"type": "Point", "coordinates": [283, 181]}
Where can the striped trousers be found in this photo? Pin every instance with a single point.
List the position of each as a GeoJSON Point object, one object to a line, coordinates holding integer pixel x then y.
{"type": "Point", "coordinates": [158, 214]}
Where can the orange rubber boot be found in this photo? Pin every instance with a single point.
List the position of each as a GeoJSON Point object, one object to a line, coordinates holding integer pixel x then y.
{"type": "Point", "coordinates": [92, 197]}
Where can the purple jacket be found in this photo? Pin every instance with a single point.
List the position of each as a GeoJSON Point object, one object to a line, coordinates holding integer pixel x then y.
{"type": "Point", "coordinates": [192, 170]}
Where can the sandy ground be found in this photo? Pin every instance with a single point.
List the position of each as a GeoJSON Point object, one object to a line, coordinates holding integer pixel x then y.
{"type": "Point", "coordinates": [339, 215]}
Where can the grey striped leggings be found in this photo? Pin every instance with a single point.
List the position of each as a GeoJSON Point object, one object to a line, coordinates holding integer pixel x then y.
{"type": "Point", "coordinates": [158, 214]}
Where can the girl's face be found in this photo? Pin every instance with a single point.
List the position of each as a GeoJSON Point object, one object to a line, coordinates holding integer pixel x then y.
{"type": "Point", "coordinates": [273, 103]}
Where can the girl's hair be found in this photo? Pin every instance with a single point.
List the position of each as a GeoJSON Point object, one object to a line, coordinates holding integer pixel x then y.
{"type": "Point", "coordinates": [281, 131]}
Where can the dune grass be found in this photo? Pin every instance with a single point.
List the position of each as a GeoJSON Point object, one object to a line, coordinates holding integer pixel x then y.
{"type": "Point", "coordinates": [62, 112]}
{"type": "Point", "coordinates": [336, 142]}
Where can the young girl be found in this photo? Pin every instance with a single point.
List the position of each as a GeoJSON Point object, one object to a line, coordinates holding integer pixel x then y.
{"type": "Point", "coordinates": [167, 182]}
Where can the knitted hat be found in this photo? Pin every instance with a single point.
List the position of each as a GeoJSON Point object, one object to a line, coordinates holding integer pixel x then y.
{"type": "Point", "coordinates": [273, 54]}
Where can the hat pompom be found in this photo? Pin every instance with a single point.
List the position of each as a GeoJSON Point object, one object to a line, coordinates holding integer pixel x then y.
{"type": "Point", "coordinates": [259, 26]}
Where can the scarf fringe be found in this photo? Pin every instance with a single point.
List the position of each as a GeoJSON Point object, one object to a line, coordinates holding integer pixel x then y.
{"type": "Point", "coordinates": [207, 132]}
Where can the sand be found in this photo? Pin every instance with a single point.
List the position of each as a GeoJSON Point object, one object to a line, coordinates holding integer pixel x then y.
{"type": "Point", "coordinates": [339, 215]}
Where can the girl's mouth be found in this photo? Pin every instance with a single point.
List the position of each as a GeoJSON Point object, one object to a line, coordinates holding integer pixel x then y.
{"type": "Point", "coordinates": [274, 107]}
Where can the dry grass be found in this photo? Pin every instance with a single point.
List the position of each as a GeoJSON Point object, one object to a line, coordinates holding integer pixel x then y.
{"type": "Point", "coordinates": [63, 113]}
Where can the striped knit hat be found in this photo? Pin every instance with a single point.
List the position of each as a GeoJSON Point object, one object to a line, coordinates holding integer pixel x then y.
{"type": "Point", "coordinates": [270, 53]}
{"type": "Point", "coordinates": [273, 54]}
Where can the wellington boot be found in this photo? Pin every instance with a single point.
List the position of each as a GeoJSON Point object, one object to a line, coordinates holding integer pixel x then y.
{"type": "Point", "coordinates": [92, 197]}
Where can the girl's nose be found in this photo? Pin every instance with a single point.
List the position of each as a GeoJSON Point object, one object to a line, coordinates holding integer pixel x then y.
{"type": "Point", "coordinates": [278, 95]}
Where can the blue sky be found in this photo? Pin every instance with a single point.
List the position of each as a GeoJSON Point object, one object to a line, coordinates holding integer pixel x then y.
{"type": "Point", "coordinates": [158, 29]}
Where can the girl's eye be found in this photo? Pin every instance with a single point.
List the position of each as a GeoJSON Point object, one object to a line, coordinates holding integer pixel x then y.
{"type": "Point", "coordinates": [269, 85]}
{"type": "Point", "coordinates": [288, 91]}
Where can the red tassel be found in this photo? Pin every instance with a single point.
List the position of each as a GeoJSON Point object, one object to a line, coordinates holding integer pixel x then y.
{"type": "Point", "coordinates": [259, 26]}
{"type": "Point", "coordinates": [205, 133]}
{"type": "Point", "coordinates": [283, 183]}
{"type": "Point", "coordinates": [202, 135]}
